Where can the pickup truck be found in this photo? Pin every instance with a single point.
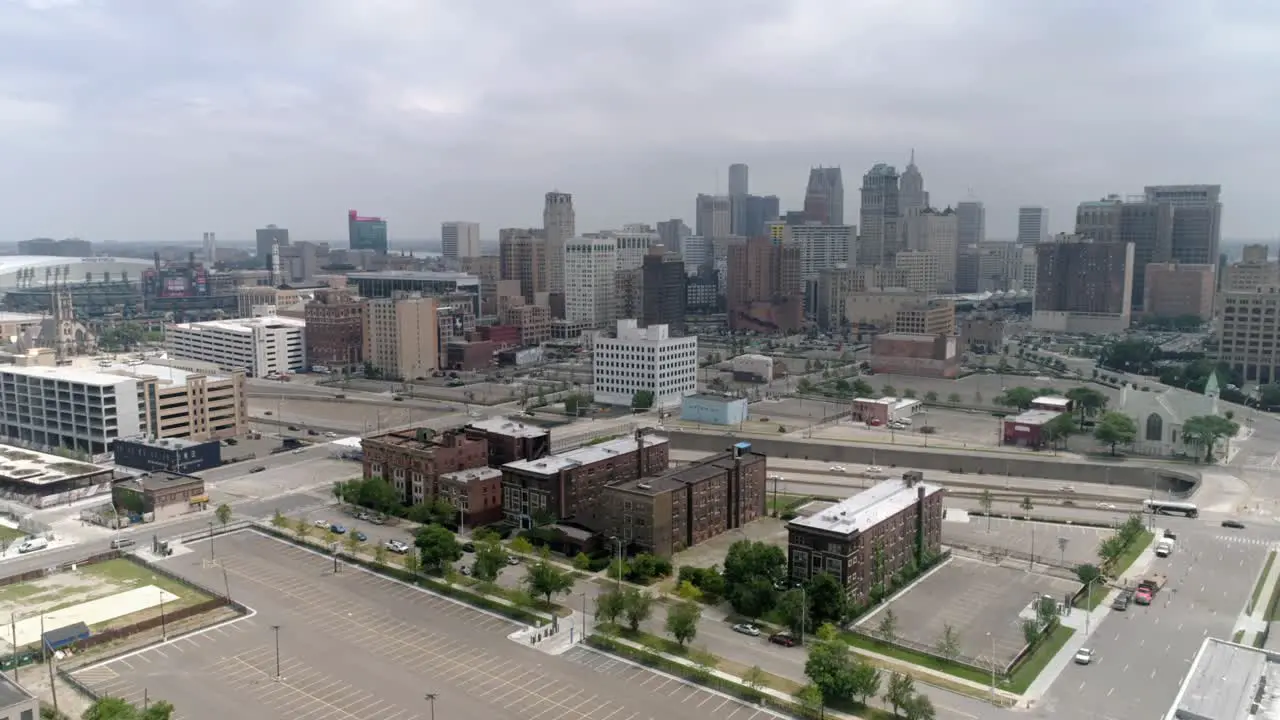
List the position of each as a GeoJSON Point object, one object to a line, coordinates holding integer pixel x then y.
{"type": "Point", "coordinates": [1148, 588]}
{"type": "Point", "coordinates": [1164, 548]}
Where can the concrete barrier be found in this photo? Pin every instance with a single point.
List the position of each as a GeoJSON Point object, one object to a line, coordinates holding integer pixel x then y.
{"type": "Point", "coordinates": [1162, 479]}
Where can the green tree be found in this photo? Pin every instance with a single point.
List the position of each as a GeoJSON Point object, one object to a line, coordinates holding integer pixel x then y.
{"type": "Point", "coordinates": [986, 501]}
{"type": "Point", "coordinates": [909, 393]}
{"type": "Point", "coordinates": [920, 707]}
{"type": "Point", "coordinates": [1030, 631]}
{"type": "Point", "coordinates": [888, 391]}
{"type": "Point", "coordinates": [888, 626]}
{"type": "Point", "coordinates": [810, 698]}
{"type": "Point", "coordinates": [866, 681]}
{"type": "Point", "coordinates": [931, 397]}
{"type": "Point", "coordinates": [954, 398]}
{"type": "Point", "coordinates": [682, 621]}
{"type": "Point", "coordinates": [353, 543]}
{"type": "Point", "coordinates": [490, 559]}
{"type": "Point", "coordinates": [751, 570]}
{"type": "Point", "coordinates": [637, 606]}
{"type": "Point", "coordinates": [830, 667]}
{"type": "Point", "coordinates": [754, 597]}
{"type": "Point", "coordinates": [791, 606]}
{"type": "Point", "coordinates": [642, 400]}
{"type": "Point", "coordinates": [1206, 430]}
{"type": "Point", "coordinates": [688, 591]}
{"type": "Point", "coordinates": [279, 521]}
{"type": "Point", "coordinates": [380, 554]}
{"type": "Point", "coordinates": [610, 606]}
{"type": "Point", "coordinates": [1088, 402]}
{"type": "Point", "coordinates": [112, 708]}
{"type": "Point", "coordinates": [1087, 573]}
{"type": "Point", "coordinates": [1110, 549]}
{"type": "Point", "coordinates": [1115, 428]}
{"type": "Point", "coordinates": [339, 491]}
{"type": "Point", "coordinates": [828, 601]}
{"type": "Point", "coordinates": [644, 568]}
{"type": "Point", "coordinates": [413, 563]}
{"type": "Point", "coordinates": [545, 579]}
{"type": "Point", "coordinates": [949, 642]}
{"type": "Point", "coordinates": [437, 548]}
{"type": "Point", "coordinates": [582, 562]}
{"type": "Point", "coordinates": [754, 677]}
{"type": "Point", "coordinates": [330, 537]}
{"type": "Point", "coordinates": [301, 528]}
{"type": "Point", "coordinates": [223, 513]}
{"type": "Point", "coordinates": [1057, 430]}
{"type": "Point", "coordinates": [862, 388]}
{"type": "Point", "coordinates": [1018, 398]}
{"type": "Point", "coordinates": [520, 545]}
{"type": "Point", "coordinates": [900, 691]}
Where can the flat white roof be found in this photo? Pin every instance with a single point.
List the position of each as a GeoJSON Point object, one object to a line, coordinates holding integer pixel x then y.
{"type": "Point", "coordinates": [507, 426]}
{"type": "Point", "coordinates": [895, 403]}
{"type": "Point", "coordinates": [472, 475]}
{"type": "Point", "coordinates": [243, 325]}
{"type": "Point", "coordinates": [13, 317]}
{"type": "Point", "coordinates": [68, 374]}
{"type": "Point", "coordinates": [352, 442]}
{"type": "Point", "coordinates": [1052, 400]}
{"type": "Point", "coordinates": [1034, 417]}
{"type": "Point", "coordinates": [584, 455]}
{"type": "Point", "coordinates": [866, 509]}
{"type": "Point", "coordinates": [37, 468]}
{"type": "Point", "coordinates": [1224, 680]}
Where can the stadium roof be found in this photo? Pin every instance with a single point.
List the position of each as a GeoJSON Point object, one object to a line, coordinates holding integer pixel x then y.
{"type": "Point", "coordinates": [11, 263]}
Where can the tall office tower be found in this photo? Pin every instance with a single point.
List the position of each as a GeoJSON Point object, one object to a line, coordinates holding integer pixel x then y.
{"type": "Point", "coordinates": [366, 233]}
{"type": "Point", "coordinates": [738, 190]}
{"type": "Point", "coordinates": [697, 254]}
{"type": "Point", "coordinates": [460, 240]}
{"type": "Point", "coordinates": [1175, 290]}
{"type": "Point", "coordinates": [912, 195]}
{"type": "Point", "coordinates": [1148, 225]}
{"type": "Point", "coordinates": [401, 335]}
{"type": "Point", "coordinates": [1197, 220]}
{"type": "Point", "coordinates": [269, 236]}
{"type": "Point", "coordinates": [633, 244]}
{"type": "Point", "coordinates": [999, 265]}
{"type": "Point", "coordinates": [937, 231]}
{"type": "Point", "coordinates": [522, 256]}
{"type": "Point", "coordinates": [663, 289]}
{"type": "Point", "coordinates": [824, 196]}
{"type": "Point", "coordinates": [763, 286]}
{"type": "Point", "coordinates": [761, 210]}
{"type": "Point", "coordinates": [880, 216]}
{"type": "Point", "coordinates": [1256, 253]}
{"type": "Point", "coordinates": [209, 245]}
{"type": "Point", "coordinates": [559, 225]}
{"type": "Point", "coordinates": [673, 232]}
{"type": "Point", "coordinates": [1033, 224]}
{"type": "Point", "coordinates": [590, 266]}
{"type": "Point", "coordinates": [1083, 286]}
{"type": "Point", "coordinates": [973, 222]}
{"type": "Point", "coordinates": [1027, 261]}
{"type": "Point", "coordinates": [967, 269]}
{"type": "Point", "coordinates": [713, 215]}
{"type": "Point", "coordinates": [822, 246]}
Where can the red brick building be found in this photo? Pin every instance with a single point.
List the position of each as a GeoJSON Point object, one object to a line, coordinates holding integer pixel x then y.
{"type": "Point", "coordinates": [1027, 429]}
{"type": "Point", "coordinates": [461, 355]}
{"type": "Point", "coordinates": [477, 493]}
{"type": "Point", "coordinates": [863, 540]}
{"type": "Point", "coordinates": [510, 440]}
{"type": "Point", "coordinates": [335, 330]}
{"type": "Point", "coordinates": [571, 486]}
{"type": "Point", "coordinates": [503, 336]}
{"type": "Point", "coordinates": [918, 355]}
{"type": "Point", "coordinates": [413, 460]}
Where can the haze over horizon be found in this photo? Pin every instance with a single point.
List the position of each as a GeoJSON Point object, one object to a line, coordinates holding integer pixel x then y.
{"type": "Point", "coordinates": [126, 123]}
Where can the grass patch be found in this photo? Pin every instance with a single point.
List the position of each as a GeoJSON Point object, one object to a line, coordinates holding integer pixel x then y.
{"type": "Point", "coordinates": [22, 591]}
{"type": "Point", "coordinates": [1094, 597]}
{"type": "Point", "coordinates": [9, 535]}
{"type": "Point", "coordinates": [1273, 604]}
{"type": "Point", "coordinates": [1131, 553]}
{"type": "Point", "coordinates": [1237, 637]}
{"type": "Point", "coordinates": [785, 502]}
{"type": "Point", "coordinates": [1033, 664]}
{"type": "Point", "coordinates": [132, 575]}
{"type": "Point", "coordinates": [1262, 580]}
{"type": "Point", "coordinates": [964, 672]}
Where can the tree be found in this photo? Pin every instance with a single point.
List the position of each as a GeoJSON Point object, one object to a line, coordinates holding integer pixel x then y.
{"type": "Point", "coordinates": [862, 388]}
{"type": "Point", "coordinates": [909, 393]}
{"type": "Point", "coordinates": [888, 627]}
{"type": "Point", "coordinates": [1030, 631]}
{"type": "Point", "coordinates": [1110, 549]}
{"type": "Point", "coordinates": [866, 681]}
{"type": "Point", "coordinates": [754, 597]}
{"type": "Point", "coordinates": [339, 491]}
{"type": "Point", "coordinates": [490, 559]}
{"type": "Point", "coordinates": [811, 699]}
{"type": "Point", "coordinates": [637, 606]}
{"type": "Point", "coordinates": [888, 390]}
{"type": "Point", "coordinates": [642, 400]}
{"type": "Point", "coordinates": [1115, 428]}
{"type": "Point", "coordinates": [931, 397]}
{"type": "Point", "coordinates": [330, 537]}
{"type": "Point", "coordinates": [112, 708]}
{"type": "Point", "coordinates": [521, 546]}
{"type": "Point", "coordinates": [830, 667]}
{"type": "Point", "coordinates": [1059, 429]}
{"type": "Point", "coordinates": [754, 677]}
{"type": "Point", "coordinates": [920, 707]}
{"type": "Point", "coordinates": [353, 543]}
{"type": "Point", "coordinates": [279, 521]}
{"type": "Point", "coordinates": [986, 501]}
{"type": "Point", "coordinates": [437, 547]}
{"type": "Point", "coordinates": [828, 601]}
{"type": "Point", "coordinates": [380, 554]}
{"type": "Point", "coordinates": [302, 528]}
{"type": "Point", "coordinates": [582, 562]}
{"type": "Point", "coordinates": [1019, 398]}
{"type": "Point", "coordinates": [223, 514]}
{"type": "Point", "coordinates": [1088, 402]}
{"type": "Point", "coordinates": [1087, 573]}
{"type": "Point", "coordinates": [751, 569]}
{"type": "Point", "coordinates": [791, 607]}
{"type": "Point", "coordinates": [644, 568]}
{"type": "Point", "coordinates": [413, 563]}
{"type": "Point", "coordinates": [1046, 612]}
{"type": "Point", "coordinates": [682, 621]}
{"type": "Point", "coordinates": [901, 689]}
{"type": "Point", "coordinates": [1207, 430]}
{"type": "Point", "coordinates": [949, 642]}
{"type": "Point", "coordinates": [610, 606]}
{"type": "Point", "coordinates": [954, 398]}
{"type": "Point", "coordinates": [545, 579]}
{"type": "Point", "coordinates": [1026, 505]}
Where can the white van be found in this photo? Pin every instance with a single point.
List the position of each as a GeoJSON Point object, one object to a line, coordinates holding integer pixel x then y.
{"type": "Point", "coordinates": [1164, 548]}
{"type": "Point", "coordinates": [32, 544]}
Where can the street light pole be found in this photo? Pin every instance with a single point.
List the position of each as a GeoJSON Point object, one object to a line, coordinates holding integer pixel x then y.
{"type": "Point", "coordinates": [431, 698]}
{"type": "Point", "coordinates": [276, 628]}
{"type": "Point", "coordinates": [211, 540]}
{"type": "Point", "coordinates": [993, 668]}
{"type": "Point", "coordinates": [164, 628]}
{"type": "Point", "coordinates": [618, 543]}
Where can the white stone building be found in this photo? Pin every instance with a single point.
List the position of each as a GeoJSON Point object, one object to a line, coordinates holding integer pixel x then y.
{"type": "Point", "coordinates": [644, 359]}
{"type": "Point", "coordinates": [589, 280]}
{"type": "Point", "coordinates": [260, 346]}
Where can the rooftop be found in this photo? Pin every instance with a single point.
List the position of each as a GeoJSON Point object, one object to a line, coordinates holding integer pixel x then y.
{"type": "Point", "coordinates": [244, 325]}
{"type": "Point", "coordinates": [1034, 417]}
{"type": "Point", "coordinates": [508, 427]}
{"type": "Point", "coordinates": [674, 479]}
{"type": "Point", "coordinates": [473, 475]}
{"type": "Point", "coordinates": [894, 402]}
{"type": "Point", "coordinates": [1225, 681]}
{"type": "Point", "coordinates": [161, 480]}
{"type": "Point", "coordinates": [711, 397]}
{"type": "Point", "coordinates": [1054, 400]}
{"type": "Point", "coordinates": [13, 263]}
{"type": "Point", "coordinates": [165, 374]}
{"type": "Point", "coordinates": [37, 468]}
{"type": "Point", "coordinates": [583, 456]}
{"type": "Point", "coordinates": [11, 693]}
{"type": "Point", "coordinates": [13, 317]}
{"type": "Point", "coordinates": [67, 374]}
{"type": "Point", "coordinates": [419, 439]}
{"type": "Point", "coordinates": [866, 509]}
{"type": "Point", "coordinates": [170, 443]}
{"type": "Point", "coordinates": [419, 275]}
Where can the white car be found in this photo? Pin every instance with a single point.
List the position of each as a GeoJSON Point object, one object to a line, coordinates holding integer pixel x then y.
{"type": "Point", "coordinates": [747, 629]}
{"type": "Point", "coordinates": [321, 523]}
{"type": "Point", "coordinates": [837, 468]}
{"type": "Point", "coordinates": [1084, 656]}
{"type": "Point", "coordinates": [1106, 506]}
{"type": "Point", "coordinates": [874, 469]}
{"type": "Point", "coordinates": [398, 547]}
{"type": "Point", "coordinates": [1067, 489]}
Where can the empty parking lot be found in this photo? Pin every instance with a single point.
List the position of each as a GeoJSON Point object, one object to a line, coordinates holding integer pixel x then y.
{"type": "Point", "coordinates": [1023, 537]}
{"type": "Point", "coordinates": [974, 599]}
{"type": "Point", "coordinates": [359, 646]}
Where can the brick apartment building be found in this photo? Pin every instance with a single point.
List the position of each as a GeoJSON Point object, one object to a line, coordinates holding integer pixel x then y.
{"type": "Point", "coordinates": [477, 492]}
{"type": "Point", "coordinates": [571, 486]}
{"type": "Point", "coordinates": [413, 460]}
{"type": "Point", "coordinates": [899, 520]}
{"type": "Point", "coordinates": [335, 330]}
{"type": "Point", "coordinates": [683, 507]}
{"type": "Point", "coordinates": [510, 440]}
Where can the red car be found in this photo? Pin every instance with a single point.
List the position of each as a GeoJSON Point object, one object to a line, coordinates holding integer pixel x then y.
{"type": "Point", "coordinates": [785, 639]}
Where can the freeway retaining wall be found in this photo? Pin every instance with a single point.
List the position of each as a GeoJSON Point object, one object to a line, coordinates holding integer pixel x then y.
{"type": "Point", "coordinates": [1123, 472]}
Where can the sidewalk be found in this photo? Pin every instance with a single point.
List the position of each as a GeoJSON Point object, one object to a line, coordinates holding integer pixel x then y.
{"type": "Point", "coordinates": [1254, 624]}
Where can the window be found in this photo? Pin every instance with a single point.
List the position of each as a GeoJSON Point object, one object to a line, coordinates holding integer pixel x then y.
{"type": "Point", "coordinates": [1155, 427]}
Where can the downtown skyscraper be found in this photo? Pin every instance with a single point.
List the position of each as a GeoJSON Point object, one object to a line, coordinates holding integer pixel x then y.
{"type": "Point", "coordinates": [824, 196]}
{"type": "Point", "coordinates": [559, 226]}
{"type": "Point", "coordinates": [880, 216]}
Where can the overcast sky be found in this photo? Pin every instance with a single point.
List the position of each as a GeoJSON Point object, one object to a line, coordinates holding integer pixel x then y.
{"type": "Point", "coordinates": [160, 119]}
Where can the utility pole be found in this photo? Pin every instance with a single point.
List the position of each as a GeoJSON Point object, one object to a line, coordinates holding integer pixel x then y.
{"type": "Point", "coordinates": [276, 628]}
{"type": "Point", "coordinates": [431, 698]}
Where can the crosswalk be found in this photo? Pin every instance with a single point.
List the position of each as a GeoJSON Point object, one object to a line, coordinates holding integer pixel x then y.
{"type": "Point", "coordinates": [1238, 540]}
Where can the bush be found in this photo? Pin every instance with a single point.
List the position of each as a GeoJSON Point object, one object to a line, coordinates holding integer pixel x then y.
{"type": "Point", "coordinates": [708, 580]}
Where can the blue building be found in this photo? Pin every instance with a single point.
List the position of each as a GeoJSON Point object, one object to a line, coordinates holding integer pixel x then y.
{"type": "Point", "coordinates": [177, 455]}
{"type": "Point", "coordinates": [366, 233]}
{"type": "Point", "coordinates": [713, 409]}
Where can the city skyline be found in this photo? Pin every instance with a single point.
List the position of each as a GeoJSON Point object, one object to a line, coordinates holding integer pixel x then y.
{"type": "Point", "coordinates": [218, 130]}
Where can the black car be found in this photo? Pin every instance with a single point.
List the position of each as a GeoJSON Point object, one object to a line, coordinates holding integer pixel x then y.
{"type": "Point", "coordinates": [1233, 524]}
{"type": "Point", "coordinates": [258, 469]}
{"type": "Point", "coordinates": [785, 639]}
{"type": "Point", "coordinates": [469, 547]}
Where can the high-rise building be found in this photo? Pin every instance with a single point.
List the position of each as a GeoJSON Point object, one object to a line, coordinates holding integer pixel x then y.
{"type": "Point", "coordinates": [663, 290]}
{"type": "Point", "coordinates": [697, 254]}
{"type": "Point", "coordinates": [765, 291]}
{"type": "Point", "coordinates": [1148, 225]}
{"type": "Point", "coordinates": [269, 237]}
{"type": "Point", "coordinates": [738, 179]}
{"type": "Point", "coordinates": [335, 330]}
{"type": "Point", "coordinates": [1251, 274]}
{"type": "Point", "coordinates": [366, 233]}
{"type": "Point", "coordinates": [1255, 253]}
{"type": "Point", "coordinates": [1197, 220]}
{"type": "Point", "coordinates": [761, 210]}
{"type": "Point", "coordinates": [559, 225]}
{"type": "Point", "coordinates": [1247, 316]}
{"type": "Point", "coordinates": [633, 243]}
{"type": "Point", "coordinates": [261, 346]}
{"type": "Point", "coordinates": [402, 335]}
{"type": "Point", "coordinates": [644, 359]}
{"type": "Point", "coordinates": [922, 270]}
{"type": "Point", "coordinates": [673, 232]}
{"type": "Point", "coordinates": [822, 246]}
{"type": "Point", "coordinates": [824, 196]}
{"type": "Point", "coordinates": [880, 216]}
{"type": "Point", "coordinates": [1083, 285]}
{"type": "Point", "coordinates": [1175, 290]}
{"type": "Point", "coordinates": [972, 218]}
{"type": "Point", "coordinates": [935, 231]}
{"type": "Point", "coordinates": [738, 191]}
{"type": "Point", "coordinates": [459, 240]}
{"type": "Point", "coordinates": [912, 196]}
{"type": "Point", "coordinates": [998, 266]}
{"type": "Point", "coordinates": [1033, 224]}
{"type": "Point", "coordinates": [522, 256]}
{"type": "Point", "coordinates": [590, 265]}
{"type": "Point", "coordinates": [713, 215]}
{"type": "Point", "coordinates": [209, 245]}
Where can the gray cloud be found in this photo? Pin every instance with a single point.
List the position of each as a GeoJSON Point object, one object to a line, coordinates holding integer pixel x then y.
{"type": "Point", "coordinates": [162, 120]}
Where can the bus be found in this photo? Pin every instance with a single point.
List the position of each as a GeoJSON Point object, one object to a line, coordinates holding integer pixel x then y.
{"type": "Point", "coordinates": [1169, 507]}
